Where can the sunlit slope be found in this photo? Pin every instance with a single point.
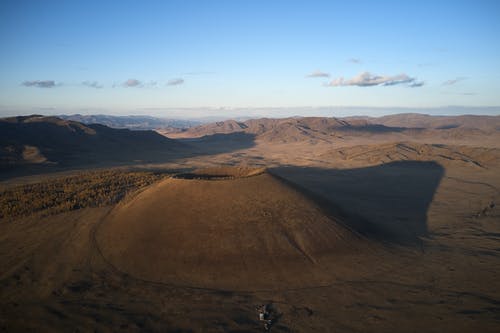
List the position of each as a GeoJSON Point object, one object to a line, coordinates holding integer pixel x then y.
{"type": "Point", "coordinates": [239, 233]}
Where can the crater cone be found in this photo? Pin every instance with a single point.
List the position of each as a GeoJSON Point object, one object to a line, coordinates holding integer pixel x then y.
{"type": "Point", "coordinates": [224, 228]}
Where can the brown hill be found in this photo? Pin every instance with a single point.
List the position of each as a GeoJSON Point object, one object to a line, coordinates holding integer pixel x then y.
{"type": "Point", "coordinates": [416, 120]}
{"type": "Point", "coordinates": [220, 127]}
{"type": "Point", "coordinates": [224, 228]}
{"type": "Point", "coordinates": [403, 127]}
{"type": "Point", "coordinates": [42, 140]}
{"type": "Point", "coordinates": [286, 130]}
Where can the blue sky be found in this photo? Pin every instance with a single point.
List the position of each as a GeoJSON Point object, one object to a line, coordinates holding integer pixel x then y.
{"type": "Point", "coordinates": [138, 57]}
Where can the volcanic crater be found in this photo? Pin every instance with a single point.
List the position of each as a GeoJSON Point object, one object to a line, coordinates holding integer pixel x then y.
{"type": "Point", "coordinates": [248, 230]}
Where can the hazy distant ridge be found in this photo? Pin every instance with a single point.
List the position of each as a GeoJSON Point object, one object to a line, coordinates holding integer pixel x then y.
{"type": "Point", "coordinates": [131, 122]}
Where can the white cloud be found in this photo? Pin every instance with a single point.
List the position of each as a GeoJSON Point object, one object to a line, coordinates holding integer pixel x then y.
{"type": "Point", "coordinates": [367, 79]}
{"type": "Point", "coordinates": [40, 83]}
{"type": "Point", "coordinates": [132, 83]}
{"type": "Point", "coordinates": [354, 60]}
{"type": "Point", "coordinates": [416, 84]}
{"type": "Point", "coordinates": [92, 84]}
{"type": "Point", "coordinates": [175, 82]}
{"type": "Point", "coordinates": [318, 74]}
{"type": "Point", "coordinates": [454, 81]}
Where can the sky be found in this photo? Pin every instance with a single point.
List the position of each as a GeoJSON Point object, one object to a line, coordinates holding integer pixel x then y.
{"type": "Point", "coordinates": [173, 57]}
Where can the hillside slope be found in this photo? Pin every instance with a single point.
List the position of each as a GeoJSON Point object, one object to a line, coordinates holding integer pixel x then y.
{"type": "Point", "coordinates": [224, 230]}
{"type": "Point", "coordinates": [51, 140]}
{"type": "Point", "coordinates": [287, 129]}
{"type": "Point", "coordinates": [403, 127]}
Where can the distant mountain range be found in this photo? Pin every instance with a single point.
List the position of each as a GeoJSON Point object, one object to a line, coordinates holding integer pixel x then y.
{"type": "Point", "coordinates": [326, 129]}
{"type": "Point", "coordinates": [417, 120]}
{"type": "Point", "coordinates": [40, 140]}
{"type": "Point", "coordinates": [131, 122]}
{"type": "Point", "coordinates": [213, 125]}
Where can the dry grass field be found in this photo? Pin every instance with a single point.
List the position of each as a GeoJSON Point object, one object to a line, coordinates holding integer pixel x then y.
{"type": "Point", "coordinates": [358, 229]}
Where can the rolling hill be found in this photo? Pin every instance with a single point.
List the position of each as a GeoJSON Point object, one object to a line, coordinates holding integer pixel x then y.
{"type": "Point", "coordinates": [402, 127]}
{"type": "Point", "coordinates": [287, 129]}
{"type": "Point", "coordinates": [32, 140]}
{"type": "Point", "coordinates": [417, 120]}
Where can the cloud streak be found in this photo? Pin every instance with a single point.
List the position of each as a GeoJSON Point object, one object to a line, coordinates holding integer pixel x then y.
{"type": "Point", "coordinates": [175, 82]}
{"type": "Point", "coordinates": [318, 74]}
{"type": "Point", "coordinates": [40, 83]}
{"type": "Point", "coordinates": [354, 60]}
{"type": "Point", "coordinates": [92, 84]}
{"type": "Point", "coordinates": [135, 83]}
{"type": "Point", "coordinates": [454, 81]}
{"type": "Point", "coordinates": [416, 84]}
{"type": "Point", "coordinates": [199, 73]}
{"type": "Point", "coordinates": [367, 79]}
{"type": "Point", "coordinates": [130, 83]}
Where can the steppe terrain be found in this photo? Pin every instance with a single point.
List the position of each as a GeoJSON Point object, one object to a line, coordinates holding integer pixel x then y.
{"type": "Point", "coordinates": [354, 224]}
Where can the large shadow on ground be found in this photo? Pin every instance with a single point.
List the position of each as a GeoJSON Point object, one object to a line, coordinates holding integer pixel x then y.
{"type": "Point", "coordinates": [218, 143]}
{"type": "Point", "coordinates": [387, 202]}
{"type": "Point", "coordinates": [372, 129]}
